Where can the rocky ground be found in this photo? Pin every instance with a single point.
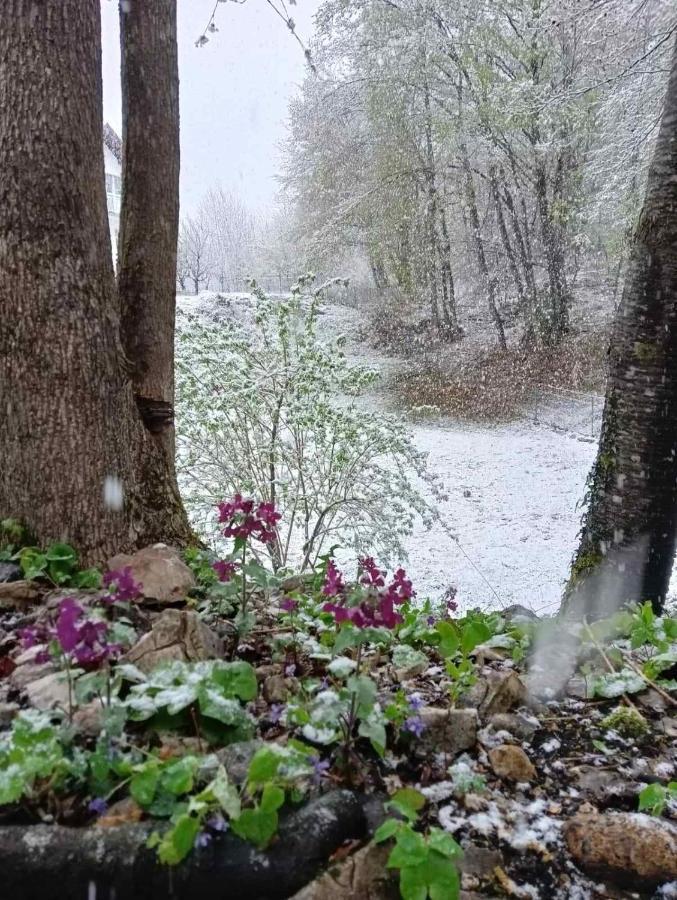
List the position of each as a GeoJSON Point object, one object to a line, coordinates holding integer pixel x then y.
{"type": "Point", "coordinates": [527, 771]}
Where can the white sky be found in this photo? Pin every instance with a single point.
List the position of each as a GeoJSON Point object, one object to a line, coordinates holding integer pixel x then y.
{"type": "Point", "coordinates": [234, 93]}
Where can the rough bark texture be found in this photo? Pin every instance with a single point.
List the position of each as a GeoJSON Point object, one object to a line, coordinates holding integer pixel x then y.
{"type": "Point", "coordinates": [149, 226]}
{"type": "Point", "coordinates": [69, 420]}
{"type": "Point", "coordinates": [628, 539]}
{"type": "Point", "coordinates": [50, 862]}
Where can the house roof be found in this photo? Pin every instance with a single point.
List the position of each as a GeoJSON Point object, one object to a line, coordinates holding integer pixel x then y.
{"type": "Point", "coordinates": [112, 140]}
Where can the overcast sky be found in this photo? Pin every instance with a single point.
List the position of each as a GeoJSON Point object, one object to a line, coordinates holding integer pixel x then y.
{"type": "Point", "coordinates": [234, 93]}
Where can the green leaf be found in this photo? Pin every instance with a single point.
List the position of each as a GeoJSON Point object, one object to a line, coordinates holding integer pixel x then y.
{"type": "Point", "coordinates": [413, 882]}
{"type": "Point", "coordinates": [144, 783]}
{"type": "Point", "coordinates": [389, 828]}
{"type": "Point", "coordinates": [272, 798]}
{"type": "Point", "coordinates": [373, 728]}
{"type": "Point", "coordinates": [237, 679]}
{"type": "Point", "coordinates": [450, 641]}
{"type": "Point", "coordinates": [256, 825]}
{"type": "Point", "coordinates": [442, 877]}
{"type": "Point", "coordinates": [410, 849]}
{"type": "Point", "coordinates": [408, 802]}
{"type": "Point", "coordinates": [654, 798]}
{"type": "Point", "coordinates": [474, 633]}
{"type": "Point", "coordinates": [178, 777]}
{"type": "Point", "coordinates": [364, 688]}
{"type": "Point", "coordinates": [442, 842]}
{"type": "Point", "coordinates": [179, 840]}
{"type": "Point", "coordinates": [263, 766]}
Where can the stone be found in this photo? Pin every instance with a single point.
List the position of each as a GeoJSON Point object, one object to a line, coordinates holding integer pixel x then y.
{"type": "Point", "coordinates": [9, 571]}
{"type": "Point", "coordinates": [7, 713]}
{"type": "Point", "coordinates": [49, 691]}
{"type": "Point", "coordinates": [653, 700]}
{"type": "Point", "coordinates": [360, 876]}
{"type": "Point", "coordinates": [633, 849]}
{"type": "Point", "coordinates": [176, 635]}
{"type": "Point", "coordinates": [517, 724]}
{"type": "Point", "coordinates": [480, 861]}
{"type": "Point", "coordinates": [275, 689]}
{"type": "Point", "coordinates": [447, 730]}
{"type": "Point", "coordinates": [235, 758]}
{"type": "Point", "coordinates": [27, 669]}
{"type": "Point", "coordinates": [669, 726]}
{"type": "Point", "coordinates": [495, 692]}
{"type": "Point", "coordinates": [511, 762]}
{"type": "Point", "coordinates": [163, 575]}
{"type": "Point", "coordinates": [17, 594]}
{"type": "Point", "coordinates": [605, 786]}
{"type": "Point", "coordinates": [88, 719]}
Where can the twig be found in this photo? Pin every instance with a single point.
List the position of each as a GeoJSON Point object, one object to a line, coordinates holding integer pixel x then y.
{"type": "Point", "coordinates": [633, 665]}
{"type": "Point", "coordinates": [600, 650]}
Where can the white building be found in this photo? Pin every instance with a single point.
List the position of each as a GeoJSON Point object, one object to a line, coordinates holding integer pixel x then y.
{"type": "Point", "coordinates": [112, 155]}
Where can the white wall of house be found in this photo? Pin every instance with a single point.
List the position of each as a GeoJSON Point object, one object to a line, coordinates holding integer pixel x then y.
{"type": "Point", "coordinates": [113, 196]}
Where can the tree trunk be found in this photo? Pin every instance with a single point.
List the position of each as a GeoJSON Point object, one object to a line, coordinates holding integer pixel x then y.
{"type": "Point", "coordinates": [70, 429]}
{"type": "Point", "coordinates": [554, 256]}
{"type": "Point", "coordinates": [627, 545]}
{"type": "Point", "coordinates": [149, 229]}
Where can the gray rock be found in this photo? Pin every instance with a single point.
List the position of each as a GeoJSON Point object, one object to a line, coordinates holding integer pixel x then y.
{"type": "Point", "coordinates": [176, 635]}
{"type": "Point", "coordinates": [49, 691]}
{"type": "Point", "coordinates": [447, 730]}
{"type": "Point", "coordinates": [480, 861]}
{"type": "Point", "coordinates": [517, 724]}
{"type": "Point", "coordinates": [236, 758]}
{"type": "Point", "coordinates": [275, 689]}
{"type": "Point", "coordinates": [495, 692]}
{"type": "Point", "coordinates": [163, 575]}
{"type": "Point", "coordinates": [18, 594]}
{"type": "Point", "coordinates": [10, 571]}
{"type": "Point", "coordinates": [360, 876]}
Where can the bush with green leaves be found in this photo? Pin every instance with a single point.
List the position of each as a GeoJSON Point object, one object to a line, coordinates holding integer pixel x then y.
{"type": "Point", "coordinates": [269, 409]}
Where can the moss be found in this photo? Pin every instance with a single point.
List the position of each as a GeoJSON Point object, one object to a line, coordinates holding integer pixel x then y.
{"type": "Point", "coordinates": [626, 721]}
{"type": "Point", "coordinates": [644, 351]}
{"type": "Point", "coordinates": [584, 563]}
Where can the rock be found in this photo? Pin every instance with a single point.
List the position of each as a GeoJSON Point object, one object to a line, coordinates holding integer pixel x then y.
{"type": "Point", "coordinates": [604, 786]}
{"type": "Point", "coordinates": [88, 719]}
{"type": "Point", "coordinates": [236, 758]}
{"type": "Point", "coordinates": [49, 691]}
{"type": "Point", "coordinates": [175, 635]}
{"type": "Point", "coordinates": [631, 848]}
{"type": "Point", "coordinates": [651, 699]}
{"type": "Point", "coordinates": [275, 689]}
{"type": "Point", "coordinates": [479, 861]}
{"type": "Point", "coordinates": [262, 672]}
{"type": "Point", "coordinates": [360, 876]}
{"type": "Point", "coordinates": [163, 575]}
{"type": "Point", "coordinates": [447, 730]}
{"type": "Point", "coordinates": [9, 571]}
{"type": "Point", "coordinates": [7, 713]}
{"type": "Point", "coordinates": [517, 613]}
{"type": "Point", "coordinates": [518, 725]}
{"type": "Point", "coordinates": [17, 594]}
{"type": "Point", "coordinates": [495, 692]}
{"type": "Point", "coordinates": [511, 762]}
{"type": "Point", "coordinates": [27, 669]}
{"type": "Point", "coordinates": [669, 726]}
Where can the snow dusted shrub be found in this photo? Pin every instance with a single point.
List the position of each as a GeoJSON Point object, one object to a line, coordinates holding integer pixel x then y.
{"type": "Point", "coordinates": [266, 408]}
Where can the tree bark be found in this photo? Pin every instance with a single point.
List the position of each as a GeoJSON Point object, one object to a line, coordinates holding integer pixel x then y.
{"type": "Point", "coordinates": [627, 543]}
{"type": "Point", "coordinates": [149, 230]}
{"type": "Point", "coordinates": [70, 431]}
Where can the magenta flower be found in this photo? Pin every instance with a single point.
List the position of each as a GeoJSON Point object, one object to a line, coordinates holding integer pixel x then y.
{"type": "Point", "coordinates": [224, 569]}
{"type": "Point", "coordinates": [372, 576]}
{"type": "Point", "coordinates": [333, 581]}
{"type": "Point", "coordinates": [243, 520]}
{"type": "Point", "coordinates": [67, 632]}
{"type": "Point", "coordinates": [121, 585]}
{"type": "Point", "coordinates": [289, 605]}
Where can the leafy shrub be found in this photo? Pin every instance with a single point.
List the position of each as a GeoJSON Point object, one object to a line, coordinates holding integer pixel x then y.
{"type": "Point", "coordinates": [273, 411]}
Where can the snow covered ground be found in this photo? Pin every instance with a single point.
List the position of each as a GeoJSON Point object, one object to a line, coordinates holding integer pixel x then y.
{"type": "Point", "coordinates": [513, 491]}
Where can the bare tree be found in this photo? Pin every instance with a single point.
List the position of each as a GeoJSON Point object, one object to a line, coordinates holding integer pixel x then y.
{"type": "Point", "coordinates": [195, 240]}
{"type": "Point", "coordinates": [232, 230]}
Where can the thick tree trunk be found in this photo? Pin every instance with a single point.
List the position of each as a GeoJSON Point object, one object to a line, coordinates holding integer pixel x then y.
{"type": "Point", "coordinates": [70, 427]}
{"type": "Point", "coordinates": [68, 416]}
{"type": "Point", "coordinates": [149, 228]}
{"type": "Point", "coordinates": [628, 539]}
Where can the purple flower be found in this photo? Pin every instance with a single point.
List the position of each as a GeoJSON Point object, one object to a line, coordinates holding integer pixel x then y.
{"type": "Point", "coordinates": [275, 713]}
{"type": "Point", "coordinates": [224, 569]}
{"type": "Point", "coordinates": [121, 585]}
{"type": "Point", "coordinates": [320, 767]}
{"type": "Point", "coordinates": [289, 605]}
{"type": "Point", "coordinates": [98, 806]}
{"type": "Point", "coordinates": [217, 823]}
{"type": "Point", "coordinates": [415, 725]}
{"type": "Point", "coordinates": [290, 670]}
{"type": "Point", "coordinates": [243, 521]}
{"type": "Point", "coordinates": [415, 702]}
{"type": "Point", "coordinates": [430, 620]}
{"type": "Point", "coordinates": [203, 839]}
{"type": "Point", "coordinates": [333, 581]}
{"type": "Point", "coordinates": [372, 576]}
